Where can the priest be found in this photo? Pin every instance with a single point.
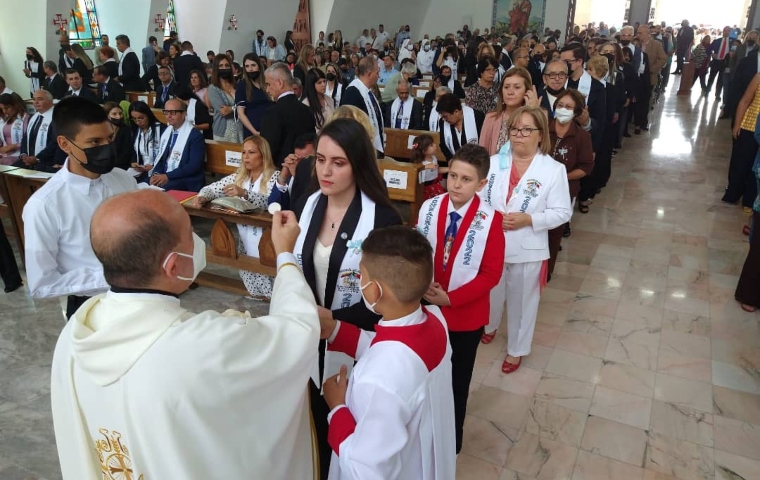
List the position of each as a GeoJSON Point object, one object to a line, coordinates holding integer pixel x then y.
{"type": "Point", "coordinates": [140, 384]}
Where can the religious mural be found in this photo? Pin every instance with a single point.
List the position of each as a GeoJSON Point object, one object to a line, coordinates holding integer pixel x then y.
{"type": "Point", "coordinates": [302, 25]}
{"type": "Point", "coordinates": [518, 16]}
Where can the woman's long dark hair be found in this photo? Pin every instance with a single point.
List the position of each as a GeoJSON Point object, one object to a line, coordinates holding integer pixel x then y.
{"type": "Point", "coordinates": [249, 85]}
{"type": "Point", "coordinates": [355, 141]}
{"type": "Point", "coordinates": [36, 57]}
{"type": "Point", "coordinates": [310, 92]}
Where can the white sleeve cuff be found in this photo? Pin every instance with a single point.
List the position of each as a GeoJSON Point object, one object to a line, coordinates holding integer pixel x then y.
{"type": "Point", "coordinates": [284, 258]}
{"type": "Point", "coordinates": [282, 188]}
{"type": "Point", "coordinates": [334, 333]}
{"type": "Point", "coordinates": [332, 412]}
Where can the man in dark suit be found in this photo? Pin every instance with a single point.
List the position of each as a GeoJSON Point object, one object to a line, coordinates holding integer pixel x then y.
{"type": "Point", "coordinates": [359, 94]}
{"type": "Point", "coordinates": [746, 67]}
{"type": "Point", "coordinates": [53, 82]}
{"type": "Point", "coordinates": [72, 61]}
{"type": "Point", "coordinates": [596, 98]}
{"type": "Point", "coordinates": [129, 67]}
{"type": "Point", "coordinates": [186, 63]}
{"type": "Point", "coordinates": [288, 118]}
{"type": "Point", "coordinates": [166, 88]}
{"type": "Point", "coordinates": [721, 48]}
{"type": "Point", "coordinates": [173, 37]}
{"type": "Point", "coordinates": [187, 174]}
{"type": "Point", "coordinates": [76, 89]}
{"type": "Point", "coordinates": [149, 53]}
{"type": "Point", "coordinates": [454, 119]}
{"type": "Point", "coordinates": [108, 88]}
{"type": "Point", "coordinates": [403, 112]}
{"type": "Point", "coordinates": [554, 76]}
{"type": "Point", "coordinates": [36, 152]}
{"type": "Point", "coordinates": [294, 181]}
{"type": "Point", "coordinates": [536, 66]}
{"type": "Point", "coordinates": [506, 53]}
{"type": "Point", "coordinates": [150, 80]}
{"type": "Point", "coordinates": [684, 41]}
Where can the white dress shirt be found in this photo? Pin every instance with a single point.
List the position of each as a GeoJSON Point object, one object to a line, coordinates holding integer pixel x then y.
{"type": "Point", "coordinates": [59, 256]}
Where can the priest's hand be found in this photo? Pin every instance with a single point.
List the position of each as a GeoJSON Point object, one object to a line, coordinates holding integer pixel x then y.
{"type": "Point", "coordinates": [326, 322]}
{"type": "Point", "coordinates": [285, 231]}
{"type": "Point", "coordinates": [436, 295]}
{"type": "Point", "coordinates": [335, 388]}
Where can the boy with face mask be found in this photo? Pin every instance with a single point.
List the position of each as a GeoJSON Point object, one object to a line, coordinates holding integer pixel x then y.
{"type": "Point", "coordinates": [59, 259]}
{"type": "Point", "coordinates": [394, 417]}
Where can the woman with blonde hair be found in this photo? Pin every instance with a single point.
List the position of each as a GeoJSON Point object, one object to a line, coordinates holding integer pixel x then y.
{"type": "Point", "coordinates": [515, 90]}
{"type": "Point", "coordinates": [531, 205]}
{"type": "Point", "coordinates": [306, 60]}
{"type": "Point", "coordinates": [253, 181]}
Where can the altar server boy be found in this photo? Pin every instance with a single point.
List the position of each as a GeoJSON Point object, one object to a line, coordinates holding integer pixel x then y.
{"type": "Point", "coordinates": [393, 419]}
{"type": "Point", "coordinates": [468, 247]}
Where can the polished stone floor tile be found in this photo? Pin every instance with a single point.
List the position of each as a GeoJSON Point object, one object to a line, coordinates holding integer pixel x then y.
{"type": "Point", "coordinates": [615, 440]}
{"type": "Point", "coordinates": [626, 408]}
{"type": "Point", "coordinates": [682, 422]}
{"type": "Point", "coordinates": [679, 458]}
{"type": "Point", "coordinates": [542, 458]}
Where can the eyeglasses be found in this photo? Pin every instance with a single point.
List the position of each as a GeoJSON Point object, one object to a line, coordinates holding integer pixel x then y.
{"type": "Point", "coordinates": [570, 63]}
{"type": "Point", "coordinates": [521, 132]}
{"type": "Point", "coordinates": [556, 75]}
{"type": "Point", "coordinates": [173, 112]}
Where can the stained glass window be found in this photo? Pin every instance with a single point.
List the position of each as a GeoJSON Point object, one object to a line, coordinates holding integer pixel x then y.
{"type": "Point", "coordinates": [171, 20]}
{"type": "Point", "coordinates": [84, 28]}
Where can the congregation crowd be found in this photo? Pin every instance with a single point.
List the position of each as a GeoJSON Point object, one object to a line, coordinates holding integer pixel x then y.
{"type": "Point", "coordinates": [528, 125]}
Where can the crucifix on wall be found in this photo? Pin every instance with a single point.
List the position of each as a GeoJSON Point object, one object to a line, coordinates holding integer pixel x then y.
{"type": "Point", "coordinates": [159, 21]}
{"type": "Point", "coordinates": [60, 22]}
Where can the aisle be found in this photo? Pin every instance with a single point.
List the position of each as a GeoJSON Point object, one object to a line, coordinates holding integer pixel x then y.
{"type": "Point", "coordinates": [642, 361]}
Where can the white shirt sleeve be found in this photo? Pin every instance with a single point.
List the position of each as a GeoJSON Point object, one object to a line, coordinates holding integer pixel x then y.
{"type": "Point", "coordinates": [558, 210]}
{"type": "Point", "coordinates": [41, 233]}
{"type": "Point", "coordinates": [372, 452]}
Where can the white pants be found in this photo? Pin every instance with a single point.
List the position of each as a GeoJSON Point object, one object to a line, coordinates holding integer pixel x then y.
{"type": "Point", "coordinates": [520, 288]}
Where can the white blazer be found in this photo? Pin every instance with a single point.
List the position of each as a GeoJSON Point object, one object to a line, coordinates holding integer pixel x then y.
{"type": "Point", "coordinates": [543, 193]}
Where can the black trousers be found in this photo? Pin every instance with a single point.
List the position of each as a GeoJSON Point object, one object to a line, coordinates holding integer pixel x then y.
{"type": "Point", "coordinates": [717, 68]}
{"type": "Point", "coordinates": [464, 348]}
{"type": "Point", "coordinates": [319, 411]}
{"type": "Point", "coordinates": [641, 110]}
{"type": "Point", "coordinates": [8, 266]}
{"type": "Point", "coordinates": [73, 303]}
{"type": "Point", "coordinates": [747, 291]}
{"type": "Point", "coordinates": [679, 60]}
{"type": "Point", "coordinates": [741, 180]}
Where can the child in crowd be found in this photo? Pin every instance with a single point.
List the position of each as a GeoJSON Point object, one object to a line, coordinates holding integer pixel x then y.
{"type": "Point", "coordinates": [423, 151]}
{"type": "Point", "coordinates": [394, 418]}
{"type": "Point", "coordinates": [468, 251]}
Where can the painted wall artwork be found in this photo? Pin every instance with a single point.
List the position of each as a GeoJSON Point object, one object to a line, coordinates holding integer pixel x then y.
{"type": "Point", "coordinates": [518, 16]}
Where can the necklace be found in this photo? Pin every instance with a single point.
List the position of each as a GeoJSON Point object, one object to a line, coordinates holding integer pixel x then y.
{"type": "Point", "coordinates": [333, 222]}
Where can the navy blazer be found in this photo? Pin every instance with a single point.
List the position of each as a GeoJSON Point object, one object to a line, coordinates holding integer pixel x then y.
{"type": "Point", "coordinates": [189, 175]}
{"type": "Point", "coordinates": [130, 68]}
{"type": "Point", "coordinates": [46, 157]}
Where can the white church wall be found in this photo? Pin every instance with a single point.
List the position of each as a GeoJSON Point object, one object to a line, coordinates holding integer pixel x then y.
{"type": "Point", "coordinates": [15, 36]}
{"type": "Point", "coordinates": [134, 22]}
{"type": "Point", "coordinates": [351, 19]}
{"type": "Point", "coordinates": [201, 23]}
{"type": "Point", "coordinates": [274, 18]}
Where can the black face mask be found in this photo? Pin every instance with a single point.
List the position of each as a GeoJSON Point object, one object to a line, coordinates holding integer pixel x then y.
{"type": "Point", "coordinates": [100, 159]}
{"type": "Point", "coordinates": [445, 79]}
{"type": "Point", "coordinates": [554, 92]}
{"type": "Point", "coordinates": [116, 122]}
{"type": "Point", "coordinates": [538, 57]}
{"type": "Point", "coordinates": [225, 73]}
{"type": "Point", "coordinates": [31, 57]}
{"type": "Point", "coordinates": [625, 43]}
{"type": "Point", "coordinates": [330, 77]}
{"type": "Point", "coordinates": [750, 43]}
{"type": "Point", "coordinates": [254, 75]}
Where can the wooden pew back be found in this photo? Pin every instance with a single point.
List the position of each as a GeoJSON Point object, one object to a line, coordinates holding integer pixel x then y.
{"type": "Point", "coordinates": [398, 142]}
{"type": "Point", "coordinates": [147, 97]}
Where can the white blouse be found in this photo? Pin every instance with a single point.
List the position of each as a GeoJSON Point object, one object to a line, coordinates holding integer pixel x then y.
{"type": "Point", "coordinates": [321, 266]}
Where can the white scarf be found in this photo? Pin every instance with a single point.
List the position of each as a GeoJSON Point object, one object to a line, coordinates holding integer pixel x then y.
{"type": "Point", "coordinates": [17, 133]}
{"type": "Point", "coordinates": [172, 162]}
{"type": "Point", "coordinates": [452, 64]}
{"type": "Point", "coordinates": [466, 264]}
{"type": "Point", "coordinates": [347, 290]}
{"type": "Point", "coordinates": [584, 85]}
{"type": "Point", "coordinates": [121, 64]}
{"type": "Point", "coordinates": [146, 145]}
{"type": "Point", "coordinates": [377, 141]}
{"type": "Point", "coordinates": [42, 133]}
{"type": "Point", "coordinates": [470, 128]}
{"type": "Point", "coordinates": [408, 105]}
{"type": "Point", "coordinates": [524, 192]}
{"type": "Point", "coordinates": [69, 61]}
{"type": "Point", "coordinates": [434, 117]}
{"type": "Point", "coordinates": [34, 67]}
{"type": "Point", "coordinates": [191, 111]}
{"type": "Point", "coordinates": [250, 236]}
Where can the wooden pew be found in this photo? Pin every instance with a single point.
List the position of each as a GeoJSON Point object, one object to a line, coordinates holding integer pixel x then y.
{"type": "Point", "coordinates": [419, 92]}
{"type": "Point", "coordinates": [5, 207]}
{"type": "Point", "coordinates": [18, 185]}
{"type": "Point", "coordinates": [159, 115]}
{"type": "Point", "coordinates": [398, 142]}
{"type": "Point", "coordinates": [147, 97]}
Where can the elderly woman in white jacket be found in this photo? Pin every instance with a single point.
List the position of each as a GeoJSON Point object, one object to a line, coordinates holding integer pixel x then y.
{"type": "Point", "coordinates": [530, 189]}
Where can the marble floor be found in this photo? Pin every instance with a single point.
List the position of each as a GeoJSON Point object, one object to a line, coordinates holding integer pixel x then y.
{"type": "Point", "coordinates": [643, 366]}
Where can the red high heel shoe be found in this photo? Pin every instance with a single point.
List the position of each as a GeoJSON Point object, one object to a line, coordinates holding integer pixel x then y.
{"type": "Point", "coordinates": [507, 367]}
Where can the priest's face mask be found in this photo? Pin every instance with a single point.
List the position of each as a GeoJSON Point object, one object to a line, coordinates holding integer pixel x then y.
{"type": "Point", "coordinates": [333, 168]}
{"type": "Point", "coordinates": [186, 266]}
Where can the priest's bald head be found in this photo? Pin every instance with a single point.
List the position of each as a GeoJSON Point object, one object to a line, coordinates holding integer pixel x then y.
{"type": "Point", "coordinates": [144, 240]}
